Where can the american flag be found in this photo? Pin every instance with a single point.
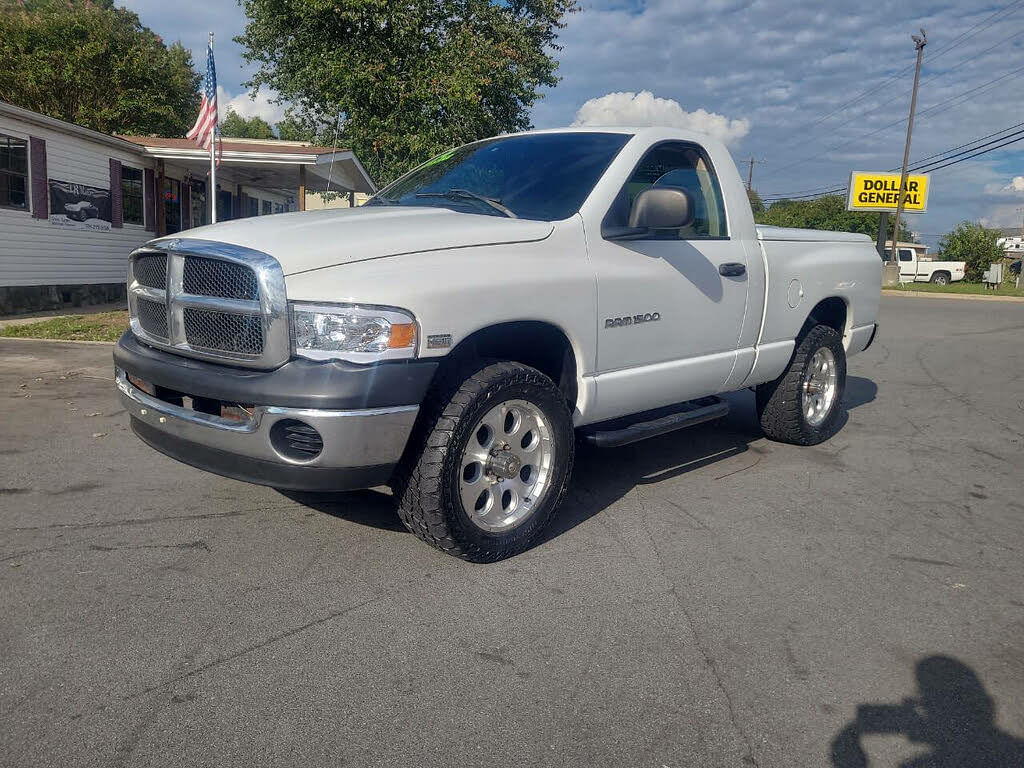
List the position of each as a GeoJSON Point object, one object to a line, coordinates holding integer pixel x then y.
{"type": "Point", "coordinates": [206, 124]}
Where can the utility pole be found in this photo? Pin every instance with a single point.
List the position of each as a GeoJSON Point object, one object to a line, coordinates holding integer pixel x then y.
{"type": "Point", "coordinates": [1020, 275]}
{"type": "Point", "coordinates": [892, 269]}
{"type": "Point", "coordinates": [750, 173]}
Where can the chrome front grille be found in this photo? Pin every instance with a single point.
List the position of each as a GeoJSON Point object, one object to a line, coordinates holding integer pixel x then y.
{"type": "Point", "coordinates": [151, 270]}
{"type": "Point", "coordinates": [152, 317]}
{"type": "Point", "coordinates": [210, 277]}
{"type": "Point", "coordinates": [223, 332]}
{"type": "Point", "coordinates": [209, 300]}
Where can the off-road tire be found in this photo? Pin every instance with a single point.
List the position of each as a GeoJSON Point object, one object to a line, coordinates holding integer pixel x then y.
{"type": "Point", "coordinates": [426, 481]}
{"type": "Point", "coordinates": [779, 405]}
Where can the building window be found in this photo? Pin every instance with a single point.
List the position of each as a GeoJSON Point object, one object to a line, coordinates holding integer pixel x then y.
{"type": "Point", "coordinates": [253, 204]}
{"type": "Point", "coordinates": [266, 207]}
{"type": "Point", "coordinates": [131, 195]}
{"type": "Point", "coordinates": [13, 172]}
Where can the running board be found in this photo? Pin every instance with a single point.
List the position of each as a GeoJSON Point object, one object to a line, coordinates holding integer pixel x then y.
{"type": "Point", "coordinates": [640, 426]}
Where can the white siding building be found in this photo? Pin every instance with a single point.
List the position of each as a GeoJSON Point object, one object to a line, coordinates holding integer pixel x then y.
{"type": "Point", "coordinates": [75, 202]}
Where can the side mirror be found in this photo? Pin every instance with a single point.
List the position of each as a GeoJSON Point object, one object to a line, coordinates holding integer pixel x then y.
{"type": "Point", "coordinates": [656, 208]}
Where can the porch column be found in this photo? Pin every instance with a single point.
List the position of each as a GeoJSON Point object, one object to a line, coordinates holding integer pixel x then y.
{"type": "Point", "coordinates": [161, 202]}
{"type": "Point", "coordinates": [302, 187]}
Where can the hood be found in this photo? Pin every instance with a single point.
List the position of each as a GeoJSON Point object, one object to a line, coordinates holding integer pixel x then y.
{"type": "Point", "coordinates": [316, 239]}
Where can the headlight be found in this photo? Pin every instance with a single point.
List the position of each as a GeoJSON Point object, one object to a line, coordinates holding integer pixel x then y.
{"type": "Point", "coordinates": [361, 334]}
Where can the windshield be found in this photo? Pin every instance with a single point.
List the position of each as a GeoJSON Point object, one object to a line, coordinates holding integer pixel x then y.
{"type": "Point", "coordinates": [543, 176]}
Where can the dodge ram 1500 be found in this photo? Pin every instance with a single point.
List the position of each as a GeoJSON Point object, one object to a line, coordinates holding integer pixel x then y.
{"type": "Point", "coordinates": [455, 336]}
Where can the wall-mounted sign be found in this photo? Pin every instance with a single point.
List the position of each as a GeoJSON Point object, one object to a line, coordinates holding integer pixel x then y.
{"type": "Point", "coordinates": [870, 191]}
{"type": "Point", "coordinates": [77, 206]}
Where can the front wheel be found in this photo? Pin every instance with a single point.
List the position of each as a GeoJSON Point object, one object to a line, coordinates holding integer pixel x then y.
{"type": "Point", "coordinates": [490, 462]}
{"type": "Point", "coordinates": [802, 405]}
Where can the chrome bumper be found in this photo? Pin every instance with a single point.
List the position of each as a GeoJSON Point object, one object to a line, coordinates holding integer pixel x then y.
{"type": "Point", "coordinates": [360, 447]}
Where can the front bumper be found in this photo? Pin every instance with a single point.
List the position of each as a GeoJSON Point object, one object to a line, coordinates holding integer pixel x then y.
{"type": "Point", "coordinates": [360, 446]}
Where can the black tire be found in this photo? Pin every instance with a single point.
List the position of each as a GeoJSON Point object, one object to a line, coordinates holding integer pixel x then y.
{"type": "Point", "coordinates": [779, 402]}
{"type": "Point", "coordinates": [940, 278]}
{"type": "Point", "coordinates": [426, 483]}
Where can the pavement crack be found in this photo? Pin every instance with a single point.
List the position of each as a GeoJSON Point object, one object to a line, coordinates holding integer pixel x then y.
{"type": "Point", "coordinates": [709, 660]}
{"type": "Point", "coordinates": [131, 521]}
{"type": "Point", "coordinates": [253, 648]}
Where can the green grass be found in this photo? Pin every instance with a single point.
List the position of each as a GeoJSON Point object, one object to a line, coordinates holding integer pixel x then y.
{"type": "Point", "coordinates": [102, 326]}
{"type": "Point", "coordinates": [1006, 289]}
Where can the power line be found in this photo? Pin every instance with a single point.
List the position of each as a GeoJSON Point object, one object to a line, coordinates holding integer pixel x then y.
{"type": "Point", "coordinates": [963, 96]}
{"type": "Point", "coordinates": [926, 166]}
{"type": "Point", "coordinates": [984, 24]}
{"type": "Point", "coordinates": [978, 154]}
{"type": "Point", "coordinates": [939, 165]}
{"type": "Point", "coordinates": [918, 164]}
{"type": "Point", "coordinates": [944, 73]}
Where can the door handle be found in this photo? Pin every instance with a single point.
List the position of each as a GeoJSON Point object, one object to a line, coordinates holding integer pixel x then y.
{"type": "Point", "coordinates": [732, 269]}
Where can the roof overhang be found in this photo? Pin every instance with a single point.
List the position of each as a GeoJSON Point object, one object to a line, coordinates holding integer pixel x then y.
{"type": "Point", "coordinates": [54, 124]}
{"type": "Point", "coordinates": [341, 169]}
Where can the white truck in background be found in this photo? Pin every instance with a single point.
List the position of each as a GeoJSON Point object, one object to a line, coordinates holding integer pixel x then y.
{"type": "Point", "coordinates": [455, 335]}
{"type": "Point", "coordinates": [915, 268]}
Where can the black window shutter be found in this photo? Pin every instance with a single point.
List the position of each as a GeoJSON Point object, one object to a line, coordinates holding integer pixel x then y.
{"type": "Point", "coordinates": [40, 189]}
{"type": "Point", "coordinates": [149, 199]}
{"type": "Point", "coordinates": [116, 204]}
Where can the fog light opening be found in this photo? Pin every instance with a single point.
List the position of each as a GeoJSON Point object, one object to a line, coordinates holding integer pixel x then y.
{"type": "Point", "coordinates": [295, 440]}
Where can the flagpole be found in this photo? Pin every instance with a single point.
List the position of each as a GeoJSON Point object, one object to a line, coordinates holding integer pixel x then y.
{"type": "Point", "coordinates": [213, 159]}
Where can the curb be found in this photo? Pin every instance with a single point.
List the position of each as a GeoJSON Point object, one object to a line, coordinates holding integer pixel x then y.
{"type": "Point", "coordinates": [38, 317]}
{"type": "Point", "coordinates": [57, 341]}
{"type": "Point", "coordinates": [956, 296]}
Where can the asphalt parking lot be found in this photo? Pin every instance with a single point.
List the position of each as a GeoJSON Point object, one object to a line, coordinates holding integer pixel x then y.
{"type": "Point", "coordinates": [706, 599]}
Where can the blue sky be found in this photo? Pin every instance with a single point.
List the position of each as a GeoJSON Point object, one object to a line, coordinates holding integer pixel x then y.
{"type": "Point", "coordinates": [765, 75]}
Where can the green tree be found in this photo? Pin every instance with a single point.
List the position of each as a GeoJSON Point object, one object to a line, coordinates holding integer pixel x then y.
{"type": "Point", "coordinates": [828, 212]}
{"type": "Point", "coordinates": [410, 77]}
{"type": "Point", "coordinates": [756, 204]}
{"type": "Point", "coordinates": [292, 129]}
{"type": "Point", "coordinates": [95, 65]}
{"type": "Point", "coordinates": [238, 127]}
{"type": "Point", "coordinates": [974, 244]}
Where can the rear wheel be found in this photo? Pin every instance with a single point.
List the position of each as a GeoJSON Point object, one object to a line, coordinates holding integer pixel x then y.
{"type": "Point", "coordinates": [490, 462]}
{"type": "Point", "coordinates": [802, 405]}
{"type": "Point", "coordinates": [940, 278]}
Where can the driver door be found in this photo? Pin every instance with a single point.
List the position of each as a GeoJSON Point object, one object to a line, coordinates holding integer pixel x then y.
{"type": "Point", "coordinates": [671, 305]}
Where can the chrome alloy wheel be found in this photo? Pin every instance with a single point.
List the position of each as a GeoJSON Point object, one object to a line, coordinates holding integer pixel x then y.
{"type": "Point", "coordinates": [818, 389]}
{"type": "Point", "coordinates": [506, 467]}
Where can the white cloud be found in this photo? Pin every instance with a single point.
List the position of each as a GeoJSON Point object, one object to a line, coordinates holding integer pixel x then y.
{"type": "Point", "coordinates": [246, 106]}
{"type": "Point", "coordinates": [1017, 185]}
{"type": "Point", "coordinates": [644, 108]}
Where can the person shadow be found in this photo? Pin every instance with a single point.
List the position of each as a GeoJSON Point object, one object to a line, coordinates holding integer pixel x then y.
{"type": "Point", "coordinates": [603, 476]}
{"type": "Point", "coordinates": [952, 715]}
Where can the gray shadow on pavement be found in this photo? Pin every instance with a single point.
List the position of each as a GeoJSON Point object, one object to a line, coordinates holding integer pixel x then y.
{"type": "Point", "coordinates": [952, 715]}
{"type": "Point", "coordinates": [603, 476]}
{"type": "Point", "coordinates": [859, 391]}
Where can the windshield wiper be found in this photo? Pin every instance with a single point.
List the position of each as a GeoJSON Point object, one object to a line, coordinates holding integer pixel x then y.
{"type": "Point", "coordinates": [465, 194]}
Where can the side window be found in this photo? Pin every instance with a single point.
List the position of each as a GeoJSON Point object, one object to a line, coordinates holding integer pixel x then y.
{"type": "Point", "coordinates": [906, 254]}
{"type": "Point", "coordinates": [675, 164]}
{"type": "Point", "coordinates": [131, 195]}
{"type": "Point", "coordinates": [13, 172]}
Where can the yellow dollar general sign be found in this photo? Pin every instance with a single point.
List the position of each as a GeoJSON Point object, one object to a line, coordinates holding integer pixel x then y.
{"type": "Point", "coordinates": [880, 192]}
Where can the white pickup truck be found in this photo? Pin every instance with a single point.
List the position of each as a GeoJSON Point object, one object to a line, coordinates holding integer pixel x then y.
{"type": "Point", "coordinates": [914, 269]}
{"type": "Point", "coordinates": [456, 334]}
